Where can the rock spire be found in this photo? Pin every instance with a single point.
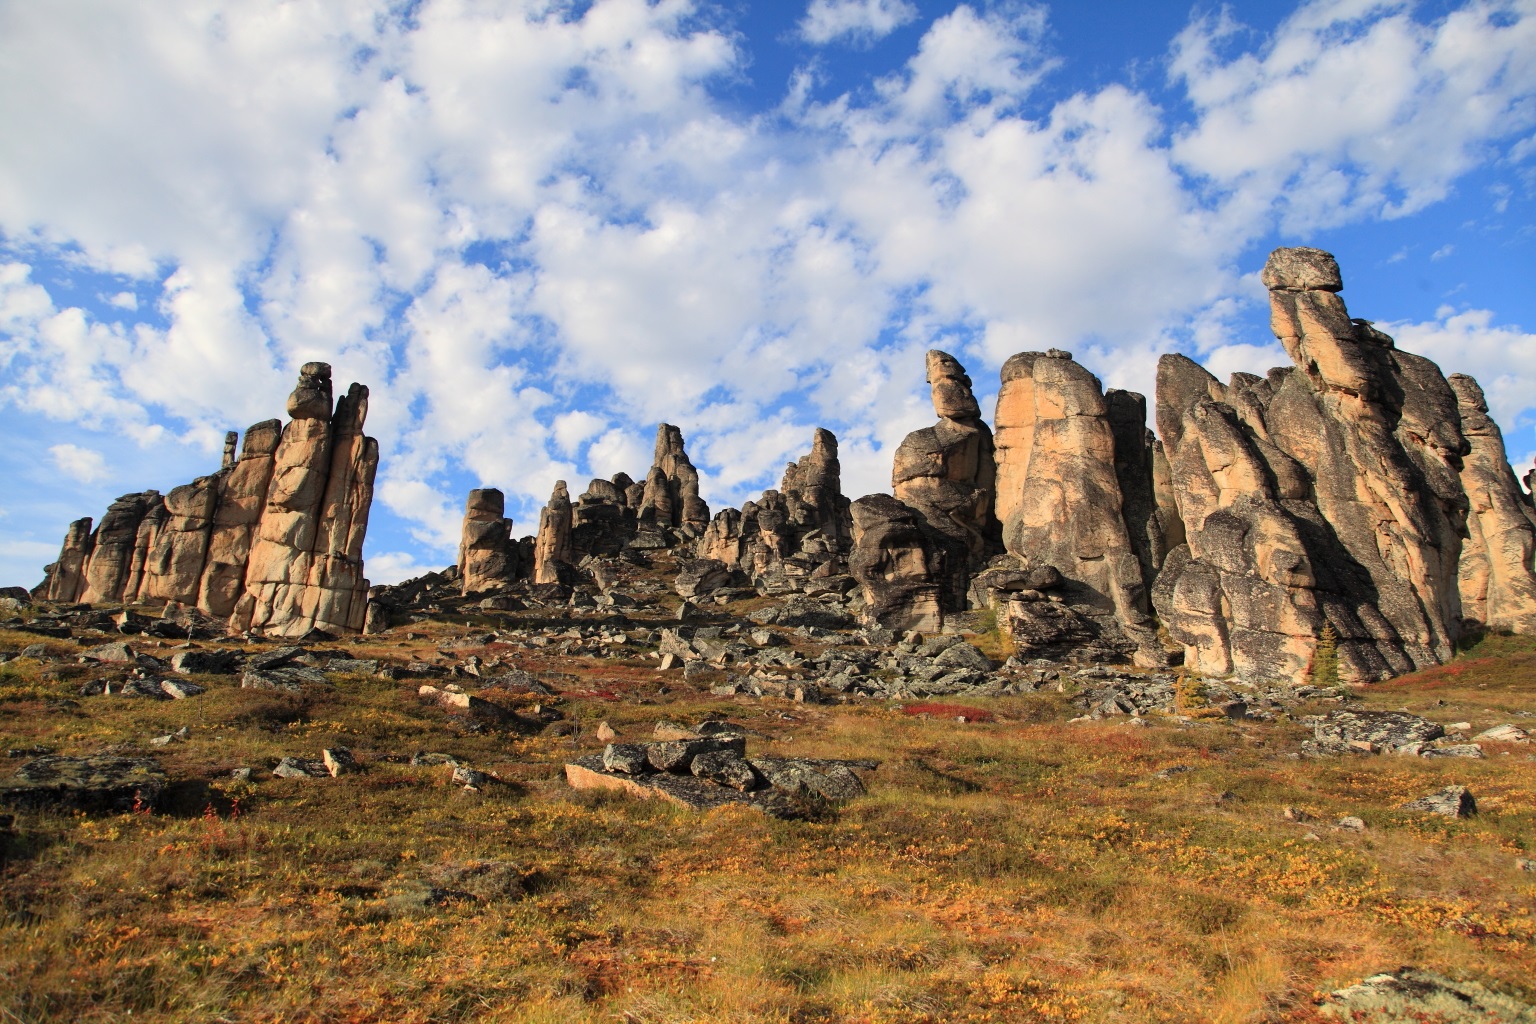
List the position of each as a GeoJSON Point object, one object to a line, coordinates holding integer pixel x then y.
{"type": "Point", "coordinates": [273, 541]}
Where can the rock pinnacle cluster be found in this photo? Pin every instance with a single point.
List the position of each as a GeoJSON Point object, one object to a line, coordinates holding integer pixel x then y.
{"type": "Point", "coordinates": [1357, 503]}
{"type": "Point", "coordinates": [272, 542]}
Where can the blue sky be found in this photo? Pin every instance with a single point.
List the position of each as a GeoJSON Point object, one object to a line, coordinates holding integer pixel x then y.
{"type": "Point", "coordinates": [537, 228]}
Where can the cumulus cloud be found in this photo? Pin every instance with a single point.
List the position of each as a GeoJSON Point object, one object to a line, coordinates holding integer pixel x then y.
{"type": "Point", "coordinates": [83, 464]}
{"type": "Point", "coordinates": [535, 230]}
{"type": "Point", "coordinates": [827, 21]}
{"type": "Point", "coordinates": [1502, 357]}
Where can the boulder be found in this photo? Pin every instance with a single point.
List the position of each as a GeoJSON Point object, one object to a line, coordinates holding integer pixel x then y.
{"type": "Point", "coordinates": [98, 783]}
{"type": "Point", "coordinates": [1450, 802]}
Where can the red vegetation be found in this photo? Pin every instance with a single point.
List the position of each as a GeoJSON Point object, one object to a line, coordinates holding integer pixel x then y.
{"type": "Point", "coordinates": [949, 711]}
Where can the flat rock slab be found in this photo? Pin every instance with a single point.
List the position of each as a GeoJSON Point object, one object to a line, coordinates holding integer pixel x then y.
{"type": "Point", "coordinates": [1413, 995]}
{"type": "Point", "coordinates": [1387, 730]}
{"type": "Point", "coordinates": [696, 794]}
{"type": "Point", "coordinates": [97, 782]}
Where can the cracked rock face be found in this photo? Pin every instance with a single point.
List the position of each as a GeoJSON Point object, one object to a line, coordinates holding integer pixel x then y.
{"type": "Point", "coordinates": [1497, 581]}
{"type": "Point", "coordinates": [1074, 469]}
{"type": "Point", "coordinates": [1325, 493]}
{"type": "Point", "coordinates": [947, 472]}
{"type": "Point", "coordinates": [273, 541]}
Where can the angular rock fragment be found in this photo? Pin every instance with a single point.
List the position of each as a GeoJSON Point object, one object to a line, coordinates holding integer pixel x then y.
{"type": "Point", "coordinates": [98, 783]}
{"type": "Point", "coordinates": [1450, 802]}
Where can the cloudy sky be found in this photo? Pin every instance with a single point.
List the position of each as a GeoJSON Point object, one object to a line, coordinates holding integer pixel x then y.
{"type": "Point", "coordinates": [535, 228]}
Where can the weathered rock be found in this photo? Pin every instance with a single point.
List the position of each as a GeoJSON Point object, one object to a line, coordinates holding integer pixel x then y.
{"type": "Point", "coordinates": [242, 499]}
{"type": "Point", "coordinates": [678, 755]}
{"type": "Point", "coordinates": [487, 553]}
{"type": "Point", "coordinates": [1450, 802]}
{"type": "Point", "coordinates": [65, 582]}
{"type": "Point", "coordinates": [947, 471]}
{"type": "Point", "coordinates": [212, 662]}
{"type": "Point", "coordinates": [94, 783]}
{"type": "Point", "coordinates": [1379, 430]}
{"type": "Point", "coordinates": [272, 541]}
{"type": "Point", "coordinates": [671, 494]}
{"type": "Point", "coordinates": [787, 535]}
{"type": "Point", "coordinates": [603, 521]}
{"type": "Point", "coordinates": [1385, 730]}
{"type": "Point", "coordinates": [301, 768]}
{"type": "Point", "coordinates": [1061, 463]}
{"type": "Point", "coordinates": [1497, 576]}
{"type": "Point", "coordinates": [181, 689]}
{"type": "Point", "coordinates": [338, 761]}
{"type": "Point", "coordinates": [553, 549]}
{"type": "Point", "coordinates": [1414, 995]}
{"type": "Point", "coordinates": [903, 566]}
{"type": "Point", "coordinates": [725, 767]}
{"type": "Point", "coordinates": [830, 780]}
{"type": "Point", "coordinates": [700, 577]}
{"type": "Point", "coordinates": [629, 758]}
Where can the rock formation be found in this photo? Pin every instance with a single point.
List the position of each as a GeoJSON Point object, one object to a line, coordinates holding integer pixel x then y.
{"type": "Point", "coordinates": [603, 520]}
{"type": "Point", "coordinates": [273, 540]}
{"type": "Point", "coordinates": [788, 534]}
{"type": "Point", "coordinates": [1327, 492]}
{"type": "Point", "coordinates": [65, 580]}
{"type": "Point", "coordinates": [552, 549]}
{"type": "Point", "coordinates": [1065, 463]}
{"type": "Point", "coordinates": [900, 562]}
{"type": "Point", "coordinates": [242, 500]}
{"type": "Point", "coordinates": [1498, 585]}
{"type": "Point", "coordinates": [487, 553]}
{"type": "Point", "coordinates": [671, 494]}
{"type": "Point", "coordinates": [947, 471]}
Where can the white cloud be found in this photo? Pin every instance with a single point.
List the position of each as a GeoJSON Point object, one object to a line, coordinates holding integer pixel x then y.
{"type": "Point", "coordinates": [83, 464]}
{"type": "Point", "coordinates": [1354, 108]}
{"type": "Point", "coordinates": [389, 567]}
{"type": "Point", "coordinates": [535, 233]}
{"type": "Point", "coordinates": [827, 21]}
{"type": "Point", "coordinates": [1501, 357]}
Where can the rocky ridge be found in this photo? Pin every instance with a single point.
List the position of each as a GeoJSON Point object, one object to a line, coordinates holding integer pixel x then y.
{"type": "Point", "coordinates": [272, 542]}
{"type": "Point", "coordinates": [1356, 503]}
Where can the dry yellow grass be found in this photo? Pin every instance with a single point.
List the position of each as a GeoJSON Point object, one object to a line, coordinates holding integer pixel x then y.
{"type": "Point", "coordinates": [1024, 869]}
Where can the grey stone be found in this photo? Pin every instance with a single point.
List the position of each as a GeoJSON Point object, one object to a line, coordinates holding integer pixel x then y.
{"type": "Point", "coordinates": [301, 768]}
{"type": "Point", "coordinates": [180, 689]}
{"type": "Point", "coordinates": [725, 768]}
{"type": "Point", "coordinates": [1450, 802]}
{"type": "Point", "coordinates": [97, 782]}
{"type": "Point", "coordinates": [629, 758]}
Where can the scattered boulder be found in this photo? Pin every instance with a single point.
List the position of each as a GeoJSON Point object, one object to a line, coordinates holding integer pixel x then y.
{"type": "Point", "coordinates": [1450, 802]}
{"type": "Point", "coordinates": [95, 783]}
{"type": "Point", "coordinates": [1372, 731]}
{"type": "Point", "coordinates": [1410, 995]}
{"type": "Point", "coordinates": [301, 768]}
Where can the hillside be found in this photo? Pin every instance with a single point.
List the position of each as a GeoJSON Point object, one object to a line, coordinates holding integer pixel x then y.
{"type": "Point", "coordinates": [1047, 858]}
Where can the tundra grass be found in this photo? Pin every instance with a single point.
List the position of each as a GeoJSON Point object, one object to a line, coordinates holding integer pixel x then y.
{"type": "Point", "coordinates": [1021, 869]}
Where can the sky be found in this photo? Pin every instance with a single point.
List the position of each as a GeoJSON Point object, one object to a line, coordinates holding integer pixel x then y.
{"type": "Point", "coordinates": [537, 228]}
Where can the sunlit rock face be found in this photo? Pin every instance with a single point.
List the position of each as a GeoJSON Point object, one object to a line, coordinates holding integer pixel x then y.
{"type": "Point", "coordinates": [1329, 491]}
{"type": "Point", "coordinates": [273, 541]}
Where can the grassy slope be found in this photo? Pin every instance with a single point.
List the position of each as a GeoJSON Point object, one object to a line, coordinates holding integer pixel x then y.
{"type": "Point", "coordinates": [1018, 870]}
